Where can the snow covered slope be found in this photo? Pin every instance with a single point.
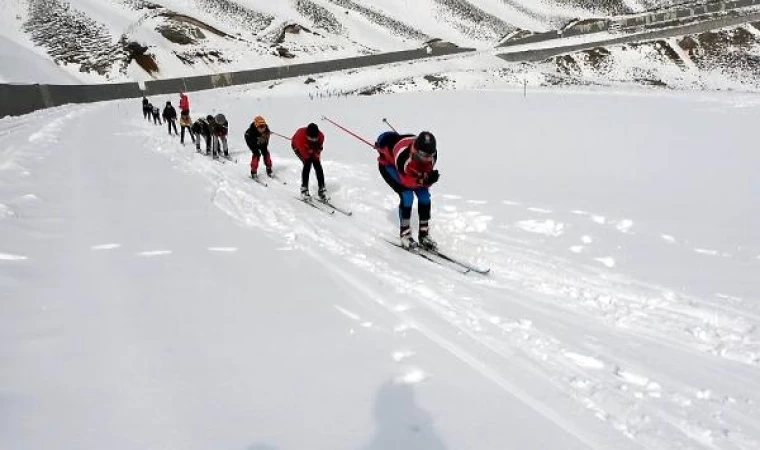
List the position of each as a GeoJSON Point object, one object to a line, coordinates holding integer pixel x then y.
{"type": "Point", "coordinates": [153, 298]}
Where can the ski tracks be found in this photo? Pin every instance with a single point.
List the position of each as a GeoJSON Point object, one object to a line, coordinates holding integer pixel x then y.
{"type": "Point", "coordinates": [521, 323]}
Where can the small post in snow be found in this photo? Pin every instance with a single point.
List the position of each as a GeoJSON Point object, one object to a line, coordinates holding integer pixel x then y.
{"type": "Point", "coordinates": [525, 88]}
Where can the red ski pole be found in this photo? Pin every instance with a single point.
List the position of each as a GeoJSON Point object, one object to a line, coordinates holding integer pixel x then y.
{"type": "Point", "coordinates": [279, 135]}
{"type": "Point", "coordinates": [349, 132]}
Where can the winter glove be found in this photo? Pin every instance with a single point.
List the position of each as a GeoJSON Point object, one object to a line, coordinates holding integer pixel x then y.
{"type": "Point", "coordinates": [432, 178]}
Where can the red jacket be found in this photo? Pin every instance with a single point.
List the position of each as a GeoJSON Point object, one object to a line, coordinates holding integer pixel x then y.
{"type": "Point", "coordinates": [307, 150]}
{"type": "Point", "coordinates": [184, 102]}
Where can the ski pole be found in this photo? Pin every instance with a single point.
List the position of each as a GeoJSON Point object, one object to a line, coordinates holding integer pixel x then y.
{"type": "Point", "coordinates": [280, 135]}
{"type": "Point", "coordinates": [349, 131]}
{"type": "Point", "coordinates": [389, 124]}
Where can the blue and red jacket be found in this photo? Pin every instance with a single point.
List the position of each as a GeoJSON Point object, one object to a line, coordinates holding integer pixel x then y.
{"type": "Point", "coordinates": [397, 152]}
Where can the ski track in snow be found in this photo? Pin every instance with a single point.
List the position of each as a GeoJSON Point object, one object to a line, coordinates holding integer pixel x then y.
{"type": "Point", "coordinates": [645, 402]}
{"type": "Point", "coordinates": [151, 253]}
{"type": "Point", "coordinates": [223, 249]}
{"type": "Point", "coordinates": [11, 257]}
{"type": "Point", "coordinates": [614, 389]}
{"type": "Point", "coordinates": [106, 246]}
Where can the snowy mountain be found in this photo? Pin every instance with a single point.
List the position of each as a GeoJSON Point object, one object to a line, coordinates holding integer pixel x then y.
{"type": "Point", "coordinates": [154, 298]}
{"type": "Point", "coordinates": [120, 40]}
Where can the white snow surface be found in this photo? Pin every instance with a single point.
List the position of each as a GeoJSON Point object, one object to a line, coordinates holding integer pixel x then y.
{"type": "Point", "coordinates": [152, 298]}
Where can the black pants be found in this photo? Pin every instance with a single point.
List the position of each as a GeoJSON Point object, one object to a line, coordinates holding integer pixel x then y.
{"type": "Point", "coordinates": [147, 114]}
{"type": "Point", "coordinates": [172, 123]}
{"type": "Point", "coordinates": [307, 163]}
{"type": "Point", "coordinates": [156, 119]}
{"type": "Point", "coordinates": [182, 134]}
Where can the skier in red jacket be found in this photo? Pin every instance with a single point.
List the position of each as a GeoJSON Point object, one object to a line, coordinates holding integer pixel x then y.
{"type": "Point", "coordinates": [184, 104]}
{"type": "Point", "coordinates": [307, 143]}
{"type": "Point", "coordinates": [407, 164]}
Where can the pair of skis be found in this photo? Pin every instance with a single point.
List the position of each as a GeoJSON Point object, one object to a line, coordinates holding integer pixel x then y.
{"type": "Point", "coordinates": [326, 206]}
{"type": "Point", "coordinates": [442, 259]}
{"type": "Point", "coordinates": [221, 159]}
{"type": "Point", "coordinates": [273, 177]}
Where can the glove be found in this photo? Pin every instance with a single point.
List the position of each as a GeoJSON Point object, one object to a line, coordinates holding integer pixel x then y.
{"type": "Point", "coordinates": [432, 178]}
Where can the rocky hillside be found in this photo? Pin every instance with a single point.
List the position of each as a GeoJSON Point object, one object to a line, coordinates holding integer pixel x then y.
{"type": "Point", "coordinates": [122, 40]}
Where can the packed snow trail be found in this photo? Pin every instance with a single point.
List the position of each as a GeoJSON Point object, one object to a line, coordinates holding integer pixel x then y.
{"type": "Point", "coordinates": [651, 323]}
{"type": "Point", "coordinates": [214, 343]}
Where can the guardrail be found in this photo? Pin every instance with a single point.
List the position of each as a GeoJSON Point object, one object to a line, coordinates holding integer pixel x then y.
{"type": "Point", "coordinates": [17, 99]}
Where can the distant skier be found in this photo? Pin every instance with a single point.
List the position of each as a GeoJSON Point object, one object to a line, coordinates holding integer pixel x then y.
{"type": "Point", "coordinates": [170, 117]}
{"type": "Point", "coordinates": [185, 122]}
{"type": "Point", "coordinates": [307, 143]}
{"type": "Point", "coordinates": [201, 129]}
{"type": "Point", "coordinates": [407, 164]}
{"type": "Point", "coordinates": [156, 115]}
{"type": "Point", "coordinates": [184, 104]}
{"type": "Point", "coordinates": [257, 138]}
{"type": "Point", "coordinates": [219, 131]}
{"type": "Point", "coordinates": [147, 109]}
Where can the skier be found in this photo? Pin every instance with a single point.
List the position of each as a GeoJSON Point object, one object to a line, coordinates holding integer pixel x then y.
{"type": "Point", "coordinates": [184, 104]}
{"type": "Point", "coordinates": [185, 122]}
{"type": "Point", "coordinates": [307, 143]}
{"type": "Point", "coordinates": [200, 129]}
{"type": "Point", "coordinates": [146, 109]}
{"type": "Point", "coordinates": [156, 117]}
{"type": "Point", "coordinates": [406, 163]}
{"type": "Point", "coordinates": [257, 138]}
{"type": "Point", "coordinates": [219, 131]}
{"type": "Point", "coordinates": [170, 117]}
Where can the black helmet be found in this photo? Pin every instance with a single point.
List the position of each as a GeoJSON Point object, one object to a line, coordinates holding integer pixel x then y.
{"type": "Point", "coordinates": [209, 118]}
{"type": "Point", "coordinates": [425, 143]}
{"type": "Point", "coordinates": [168, 103]}
{"type": "Point", "coordinates": [312, 130]}
{"type": "Point", "coordinates": [220, 119]}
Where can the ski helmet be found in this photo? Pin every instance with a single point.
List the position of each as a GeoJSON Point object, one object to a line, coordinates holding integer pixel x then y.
{"type": "Point", "coordinates": [220, 119]}
{"type": "Point", "coordinates": [425, 143]}
{"type": "Point", "coordinates": [312, 130]}
{"type": "Point", "coordinates": [259, 121]}
{"type": "Point", "coordinates": [209, 118]}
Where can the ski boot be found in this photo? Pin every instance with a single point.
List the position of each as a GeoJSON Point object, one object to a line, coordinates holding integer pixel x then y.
{"type": "Point", "coordinates": [254, 175]}
{"type": "Point", "coordinates": [427, 243]}
{"type": "Point", "coordinates": [305, 194]}
{"type": "Point", "coordinates": [322, 194]}
{"type": "Point", "coordinates": [270, 173]}
{"type": "Point", "coordinates": [407, 241]}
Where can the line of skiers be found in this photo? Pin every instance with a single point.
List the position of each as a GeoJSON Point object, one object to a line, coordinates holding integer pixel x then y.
{"type": "Point", "coordinates": [406, 161]}
{"type": "Point", "coordinates": [213, 129]}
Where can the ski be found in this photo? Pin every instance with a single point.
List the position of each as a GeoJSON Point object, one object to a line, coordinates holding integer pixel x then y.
{"type": "Point", "coordinates": [261, 182]}
{"type": "Point", "coordinates": [462, 264]}
{"type": "Point", "coordinates": [422, 253]}
{"type": "Point", "coordinates": [229, 158]}
{"type": "Point", "coordinates": [315, 206]}
{"type": "Point", "coordinates": [336, 208]}
{"type": "Point", "coordinates": [278, 179]}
